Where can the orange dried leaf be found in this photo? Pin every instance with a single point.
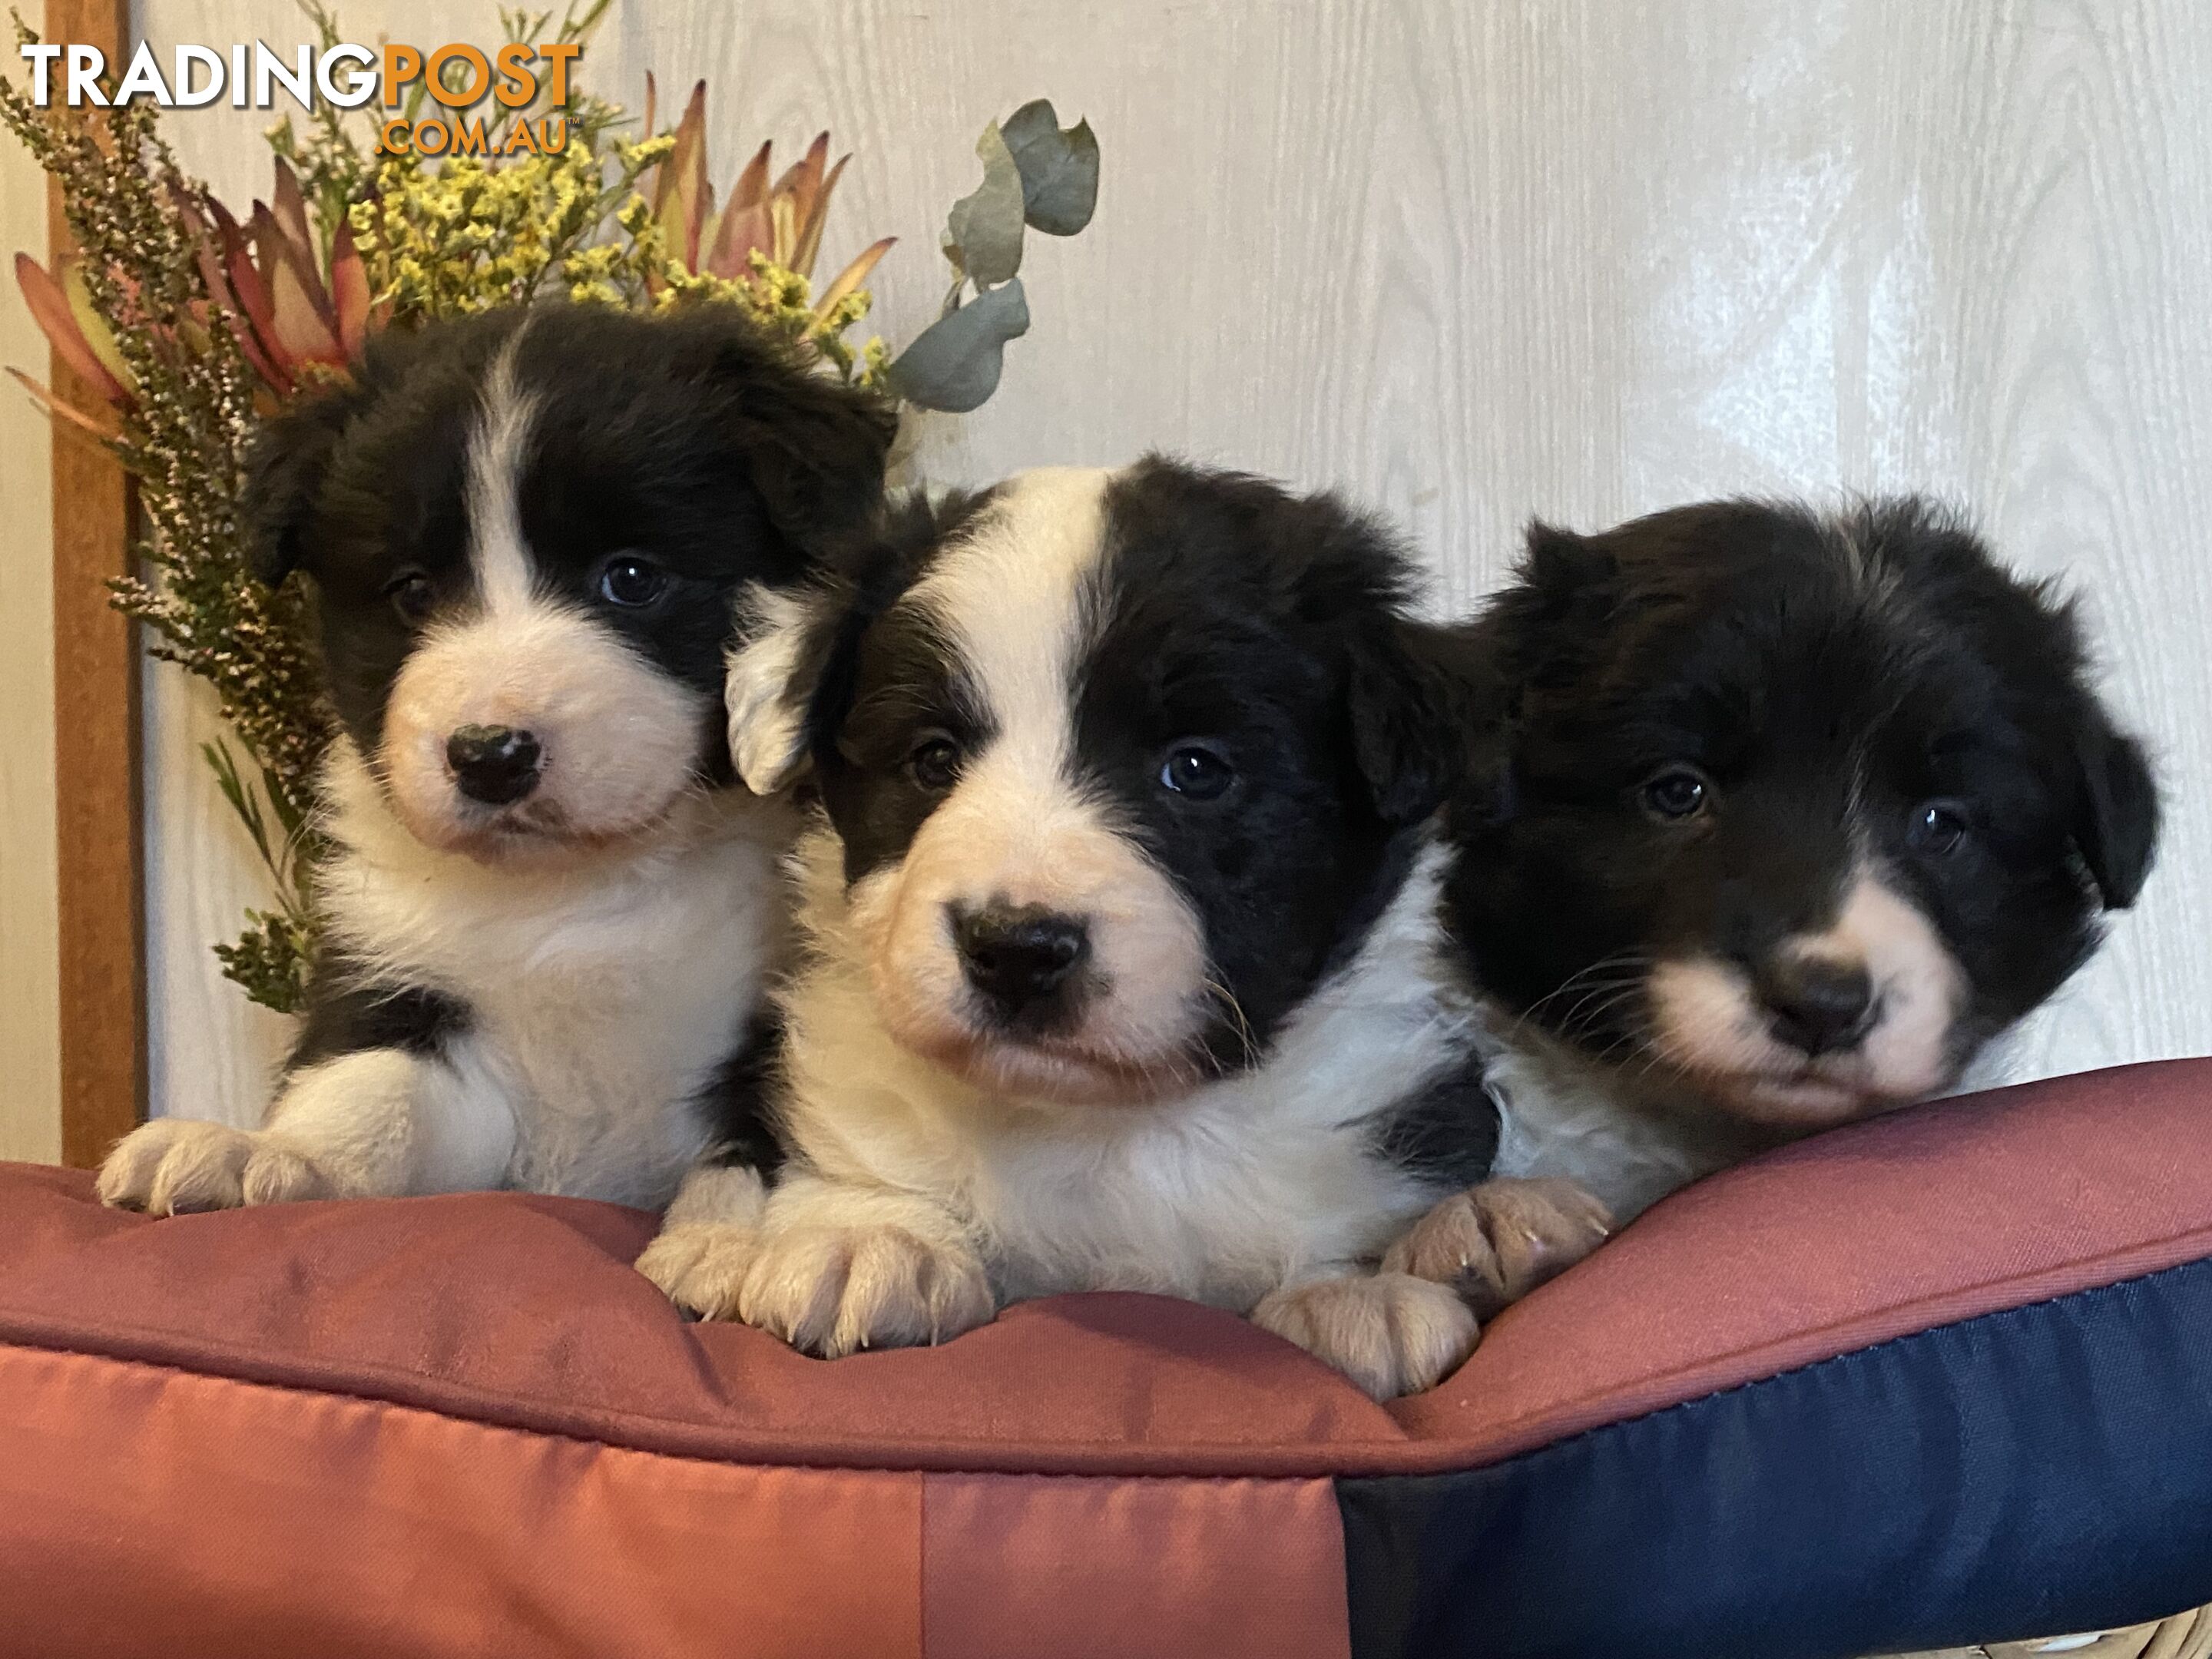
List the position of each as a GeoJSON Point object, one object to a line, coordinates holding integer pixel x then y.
{"type": "Point", "coordinates": [275, 251]}
{"type": "Point", "coordinates": [752, 183]}
{"type": "Point", "coordinates": [807, 184]}
{"type": "Point", "coordinates": [681, 202]}
{"type": "Point", "coordinates": [60, 411]}
{"type": "Point", "coordinates": [810, 226]}
{"type": "Point", "coordinates": [93, 327]}
{"type": "Point", "coordinates": [242, 277]}
{"type": "Point", "coordinates": [302, 333]}
{"type": "Point", "coordinates": [350, 291]}
{"type": "Point", "coordinates": [783, 222]}
{"type": "Point", "coordinates": [50, 308]}
{"type": "Point", "coordinates": [291, 208]}
{"type": "Point", "coordinates": [849, 279]}
{"type": "Point", "coordinates": [742, 230]}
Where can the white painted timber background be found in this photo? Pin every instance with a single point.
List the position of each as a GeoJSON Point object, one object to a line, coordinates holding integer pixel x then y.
{"type": "Point", "coordinates": [1472, 260]}
{"type": "Point", "coordinates": [30, 1058]}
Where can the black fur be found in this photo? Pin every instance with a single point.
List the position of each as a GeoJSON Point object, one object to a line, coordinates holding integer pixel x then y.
{"type": "Point", "coordinates": [734, 1103]}
{"type": "Point", "coordinates": [350, 1011]}
{"type": "Point", "coordinates": [1830, 679]}
{"type": "Point", "coordinates": [849, 600]}
{"type": "Point", "coordinates": [689, 439]}
{"type": "Point", "coordinates": [1271, 627]}
{"type": "Point", "coordinates": [1446, 1132]}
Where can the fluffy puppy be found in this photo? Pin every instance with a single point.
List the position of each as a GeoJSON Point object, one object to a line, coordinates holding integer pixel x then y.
{"type": "Point", "coordinates": [548, 907]}
{"type": "Point", "coordinates": [1790, 814]}
{"type": "Point", "coordinates": [1124, 966]}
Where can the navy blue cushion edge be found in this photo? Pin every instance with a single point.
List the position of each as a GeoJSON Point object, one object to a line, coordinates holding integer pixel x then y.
{"type": "Point", "coordinates": [2037, 1471]}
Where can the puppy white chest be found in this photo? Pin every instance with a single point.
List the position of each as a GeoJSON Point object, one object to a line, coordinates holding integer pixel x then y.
{"type": "Point", "coordinates": [599, 998]}
{"type": "Point", "coordinates": [1204, 1204]}
{"type": "Point", "coordinates": [1219, 1194]}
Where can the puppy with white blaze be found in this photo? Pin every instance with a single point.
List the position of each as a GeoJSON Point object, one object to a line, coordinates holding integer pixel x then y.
{"type": "Point", "coordinates": [1786, 816]}
{"type": "Point", "coordinates": [1123, 965]}
{"type": "Point", "coordinates": [548, 907]}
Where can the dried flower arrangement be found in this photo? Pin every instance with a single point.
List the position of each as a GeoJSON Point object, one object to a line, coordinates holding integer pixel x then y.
{"type": "Point", "coordinates": [194, 325]}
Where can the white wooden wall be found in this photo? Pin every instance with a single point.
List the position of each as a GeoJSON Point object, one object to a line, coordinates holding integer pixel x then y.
{"type": "Point", "coordinates": [1475, 259]}
{"type": "Point", "coordinates": [30, 1062]}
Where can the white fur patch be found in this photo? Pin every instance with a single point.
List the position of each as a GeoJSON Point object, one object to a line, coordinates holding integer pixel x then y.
{"type": "Point", "coordinates": [767, 728]}
{"type": "Point", "coordinates": [619, 738]}
{"type": "Point", "coordinates": [1018, 829]}
{"type": "Point", "coordinates": [1221, 1193]}
{"type": "Point", "coordinates": [499, 450]}
{"type": "Point", "coordinates": [1707, 1022]}
{"type": "Point", "coordinates": [1629, 1139]}
{"type": "Point", "coordinates": [602, 994]}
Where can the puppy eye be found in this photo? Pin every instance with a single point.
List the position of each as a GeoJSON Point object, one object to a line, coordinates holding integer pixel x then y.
{"type": "Point", "coordinates": [1196, 774]}
{"type": "Point", "coordinates": [1680, 792]}
{"type": "Point", "coordinates": [934, 762]}
{"type": "Point", "coordinates": [411, 596]}
{"type": "Point", "coordinates": [630, 581]}
{"type": "Point", "coordinates": [1937, 826]}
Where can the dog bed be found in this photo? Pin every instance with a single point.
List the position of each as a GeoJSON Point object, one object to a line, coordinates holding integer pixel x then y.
{"type": "Point", "coordinates": [1940, 1378]}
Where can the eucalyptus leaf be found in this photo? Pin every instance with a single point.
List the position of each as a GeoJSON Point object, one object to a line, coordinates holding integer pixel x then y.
{"type": "Point", "coordinates": [954, 364]}
{"type": "Point", "coordinates": [983, 236]}
{"type": "Point", "coordinates": [1059, 168]}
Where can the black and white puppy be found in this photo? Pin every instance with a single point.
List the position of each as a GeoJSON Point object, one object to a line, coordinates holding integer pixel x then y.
{"type": "Point", "coordinates": [1123, 964]}
{"type": "Point", "coordinates": [1791, 814]}
{"type": "Point", "coordinates": [549, 907]}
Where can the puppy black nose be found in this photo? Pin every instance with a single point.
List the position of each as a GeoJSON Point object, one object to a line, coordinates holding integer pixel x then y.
{"type": "Point", "coordinates": [495, 764]}
{"type": "Point", "coordinates": [1816, 1004]}
{"type": "Point", "coordinates": [1015, 955]}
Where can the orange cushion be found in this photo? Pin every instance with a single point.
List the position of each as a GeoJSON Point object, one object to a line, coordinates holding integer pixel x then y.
{"type": "Point", "coordinates": [430, 1424]}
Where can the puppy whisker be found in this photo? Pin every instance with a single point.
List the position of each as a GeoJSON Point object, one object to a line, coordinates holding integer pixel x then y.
{"type": "Point", "coordinates": [1227, 998]}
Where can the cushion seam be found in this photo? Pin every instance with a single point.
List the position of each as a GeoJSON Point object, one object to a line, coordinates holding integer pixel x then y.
{"type": "Point", "coordinates": [491, 1418]}
{"type": "Point", "coordinates": [374, 1402]}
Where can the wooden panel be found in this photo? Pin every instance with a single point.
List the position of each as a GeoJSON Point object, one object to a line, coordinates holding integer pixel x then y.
{"type": "Point", "coordinates": [99, 896]}
{"type": "Point", "coordinates": [1476, 259]}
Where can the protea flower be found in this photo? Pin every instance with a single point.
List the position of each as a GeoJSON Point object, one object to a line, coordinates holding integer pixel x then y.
{"type": "Point", "coordinates": [284, 309]}
{"type": "Point", "coordinates": [781, 222]}
{"type": "Point", "coordinates": [61, 304]}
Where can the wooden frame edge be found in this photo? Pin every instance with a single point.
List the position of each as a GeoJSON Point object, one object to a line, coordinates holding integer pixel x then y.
{"type": "Point", "coordinates": [100, 893]}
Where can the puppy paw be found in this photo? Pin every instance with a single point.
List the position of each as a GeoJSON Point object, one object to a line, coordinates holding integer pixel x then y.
{"type": "Point", "coordinates": [832, 1291]}
{"type": "Point", "coordinates": [278, 1174]}
{"type": "Point", "coordinates": [174, 1166]}
{"type": "Point", "coordinates": [1391, 1333]}
{"type": "Point", "coordinates": [1495, 1243]}
{"type": "Point", "coordinates": [702, 1266]}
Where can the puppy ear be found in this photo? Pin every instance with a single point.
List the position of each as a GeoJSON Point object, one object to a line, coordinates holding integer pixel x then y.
{"type": "Point", "coordinates": [285, 469]}
{"type": "Point", "coordinates": [2116, 819]}
{"type": "Point", "coordinates": [1556, 613]}
{"type": "Point", "coordinates": [776, 670]}
{"type": "Point", "coordinates": [1573, 576]}
{"type": "Point", "coordinates": [790, 668]}
{"type": "Point", "coordinates": [1415, 697]}
{"type": "Point", "coordinates": [814, 449]}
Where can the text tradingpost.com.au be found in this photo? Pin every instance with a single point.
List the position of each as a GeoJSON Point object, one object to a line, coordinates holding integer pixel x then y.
{"type": "Point", "coordinates": [455, 76]}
